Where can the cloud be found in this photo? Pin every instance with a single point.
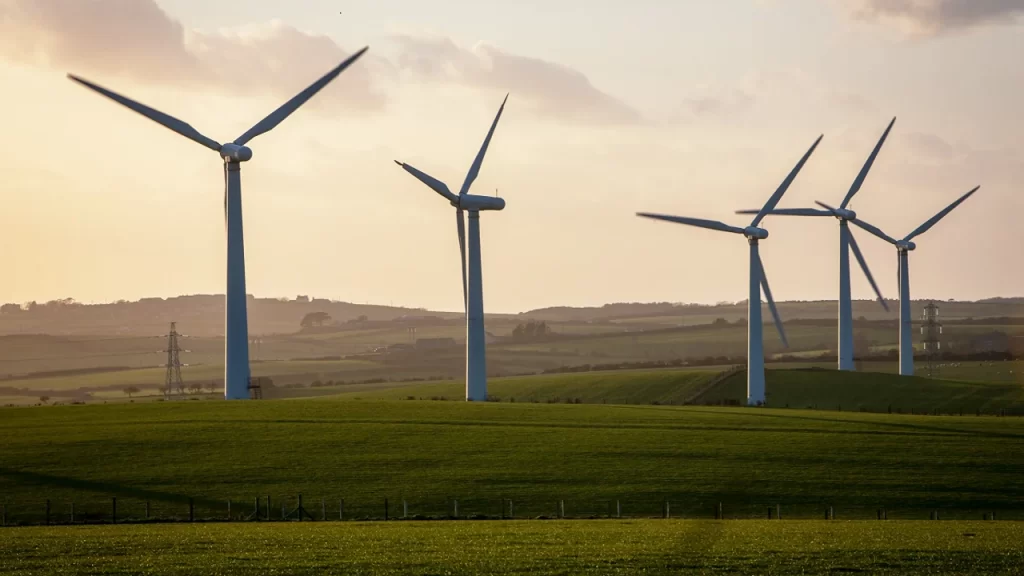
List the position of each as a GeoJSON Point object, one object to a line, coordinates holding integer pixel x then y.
{"type": "Point", "coordinates": [550, 89]}
{"type": "Point", "coordinates": [936, 16]}
{"type": "Point", "coordinates": [929, 147]}
{"type": "Point", "coordinates": [723, 102]}
{"type": "Point", "coordinates": [137, 40]}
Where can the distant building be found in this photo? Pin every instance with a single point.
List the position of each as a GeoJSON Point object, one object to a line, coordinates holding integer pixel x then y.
{"type": "Point", "coordinates": [427, 344]}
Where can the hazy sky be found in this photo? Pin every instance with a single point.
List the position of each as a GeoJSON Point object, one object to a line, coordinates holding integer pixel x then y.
{"type": "Point", "coordinates": [688, 107]}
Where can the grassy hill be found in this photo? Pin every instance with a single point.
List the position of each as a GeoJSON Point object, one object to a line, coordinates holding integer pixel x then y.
{"type": "Point", "coordinates": [876, 392]}
{"type": "Point", "coordinates": [625, 387]}
{"type": "Point", "coordinates": [429, 453]}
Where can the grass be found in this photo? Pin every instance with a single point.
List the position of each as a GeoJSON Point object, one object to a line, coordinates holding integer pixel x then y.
{"type": "Point", "coordinates": [875, 392]}
{"type": "Point", "coordinates": [625, 387]}
{"type": "Point", "coordinates": [429, 453]}
{"type": "Point", "coordinates": [534, 548]}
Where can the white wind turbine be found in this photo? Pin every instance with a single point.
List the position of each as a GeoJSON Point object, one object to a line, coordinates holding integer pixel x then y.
{"type": "Point", "coordinates": [472, 275]}
{"type": "Point", "coordinates": [236, 349]}
{"type": "Point", "coordinates": [846, 242]}
{"type": "Point", "coordinates": [758, 280]}
{"type": "Point", "coordinates": [903, 249]}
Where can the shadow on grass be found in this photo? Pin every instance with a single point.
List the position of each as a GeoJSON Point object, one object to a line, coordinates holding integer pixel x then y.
{"type": "Point", "coordinates": [112, 489]}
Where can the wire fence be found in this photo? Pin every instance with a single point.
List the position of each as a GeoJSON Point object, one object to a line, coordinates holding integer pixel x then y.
{"type": "Point", "coordinates": [297, 508]}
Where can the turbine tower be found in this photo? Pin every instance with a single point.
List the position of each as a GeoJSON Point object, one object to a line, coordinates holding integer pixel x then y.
{"type": "Point", "coordinates": [758, 280]}
{"type": "Point", "coordinates": [903, 249]}
{"type": "Point", "coordinates": [472, 274]}
{"type": "Point", "coordinates": [236, 349]}
{"type": "Point", "coordinates": [846, 242]}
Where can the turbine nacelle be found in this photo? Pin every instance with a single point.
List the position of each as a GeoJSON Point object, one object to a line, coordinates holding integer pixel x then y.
{"type": "Point", "coordinates": [755, 233]}
{"type": "Point", "coordinates": [844, 214]}
{"type": "Point", "coordinates": [906, 245]}
{"type": "Point", "coordinates": [235, 153]}
{"type": "Point", "coordinates": [475, 203]}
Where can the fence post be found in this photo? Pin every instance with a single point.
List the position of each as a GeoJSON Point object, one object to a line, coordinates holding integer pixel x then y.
{"type": "Point", "coordinates": [778, 511]}
{"type": "Point", "coordinates": [47, 512]}
{"type": "Point", "coordinates": [667, 511]}
{"type": "Point", "coordinates": [300, 508]}
{"type": "Point", "coordinates": [147, 509]}
{"type": "Point", "coordinates": [72, 512]}
{"type": "Point", "coordinates": [769, 512]}
{"type": "Point", "coordinates": [229, 510]}
{"type": "Point", "coordinates": [561, 508]}
{"type": "Point", "coordinates": [511, 510]}
{"type": "Point", "coordinates": [191, 510]}
{"type": "Point", "coordinates": [5, 514]}
{"type": "Point", "coordinates": [341, 509]}
{"type": "Point", "coordinates": [502, 509]}
{"type": "Point", "coordinates": [113, 510]}
{"type": "Point", "coordinates": [385, 509]}
{"type": "Point", "coordinates": [256, 509]}
{"type": "Point", "coordinates": [618, 509]}
{"type": "Point", "coordinates": [284, 512]}
{"type": "Point", "coordinates": [268, 508]}
{"type": "Point", "coordinates": [323, 509]}
{"type": "Point", "coordinates": [405, 509]}
{"type": "Point", "coordinates": [456, 506]}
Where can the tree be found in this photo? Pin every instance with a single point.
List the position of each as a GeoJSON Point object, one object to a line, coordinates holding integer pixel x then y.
{"type": "Point", "coordinates": [10, 309]}
{"type": "Point", "coordinates": [44, 399]}
{"type": "Point", "coordinates": [211, 386]}
{"type": "Point", "coordinates": [315, 319]}
{"type": "Point", "coordinates": [195, 388]}
{"type": "Point", "coordinates": [131, 390]}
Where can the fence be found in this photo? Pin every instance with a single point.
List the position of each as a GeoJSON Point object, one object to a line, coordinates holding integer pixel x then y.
{"type": "Point", "coordinates": [296, 508]}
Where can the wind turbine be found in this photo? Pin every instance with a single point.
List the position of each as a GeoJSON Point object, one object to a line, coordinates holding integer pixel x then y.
{"type": "Point", "coordinates": [236, 349]}
{"type": "Point", "coordinates": [903, 249]}
{"type": "Point", "coordinates": [846, 242]}
{"type": "Point", "coordinates": [758, 280]}
{"type": "Point", "coordinates": [472, 275]}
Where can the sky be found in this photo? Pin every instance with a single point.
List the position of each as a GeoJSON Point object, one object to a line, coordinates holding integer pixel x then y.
{"type": "Point", "coordinates": [689, 108]}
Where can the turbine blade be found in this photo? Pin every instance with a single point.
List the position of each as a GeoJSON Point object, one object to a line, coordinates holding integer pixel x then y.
{"type": "Point", "coordinates": [474, 170]}
{"type": "Point", "coordinates": [874, 230]}
{"type": "Point", "coordinates": [864, 266]}
{"type": "Point", "coordinates": [830, 209]}
{"type": "Point", "coordinates": [867, 167]}
{"type": "Point", "coordinates": [286, 109]}
{"type": "Point", "coordinates": [774, 200]}
{"type": "Point", "coordinates": [167, 121]}
{"type": "Point", "coordinates": [934, 219]}
{"type": "Point", "coordinates": [434, 184]}
{"type": "Point", "coordinates": [771, 304]}
{"type": "Point", "coordinates": [461, 224]}
{"type": "Point", "coordinates": [698, 222]}
{"type": "Point", "coordinates": [790, 212]}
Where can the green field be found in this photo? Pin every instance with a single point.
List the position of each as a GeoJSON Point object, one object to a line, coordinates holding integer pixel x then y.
{"type": "Point", "coordinates": [515, 547]}
{"type": "Point", "coordinates": [875, 392]}
{"type": "Point", "coordinates": [431, 453]}
{"type": "Point", "coordinates": [671, 386]}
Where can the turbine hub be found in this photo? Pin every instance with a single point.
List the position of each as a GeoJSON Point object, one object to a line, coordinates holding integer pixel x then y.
{"type": "Point", "coordinates": [845, 214]}
{"type": "Point", "coordinates": [476, 203]}
{"type": "Point", "coordinates": [904, 245]}
{"type": "Point", "coordinates": [755, 233]}
{"type": "Point", "coordinates": [235, 153]}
